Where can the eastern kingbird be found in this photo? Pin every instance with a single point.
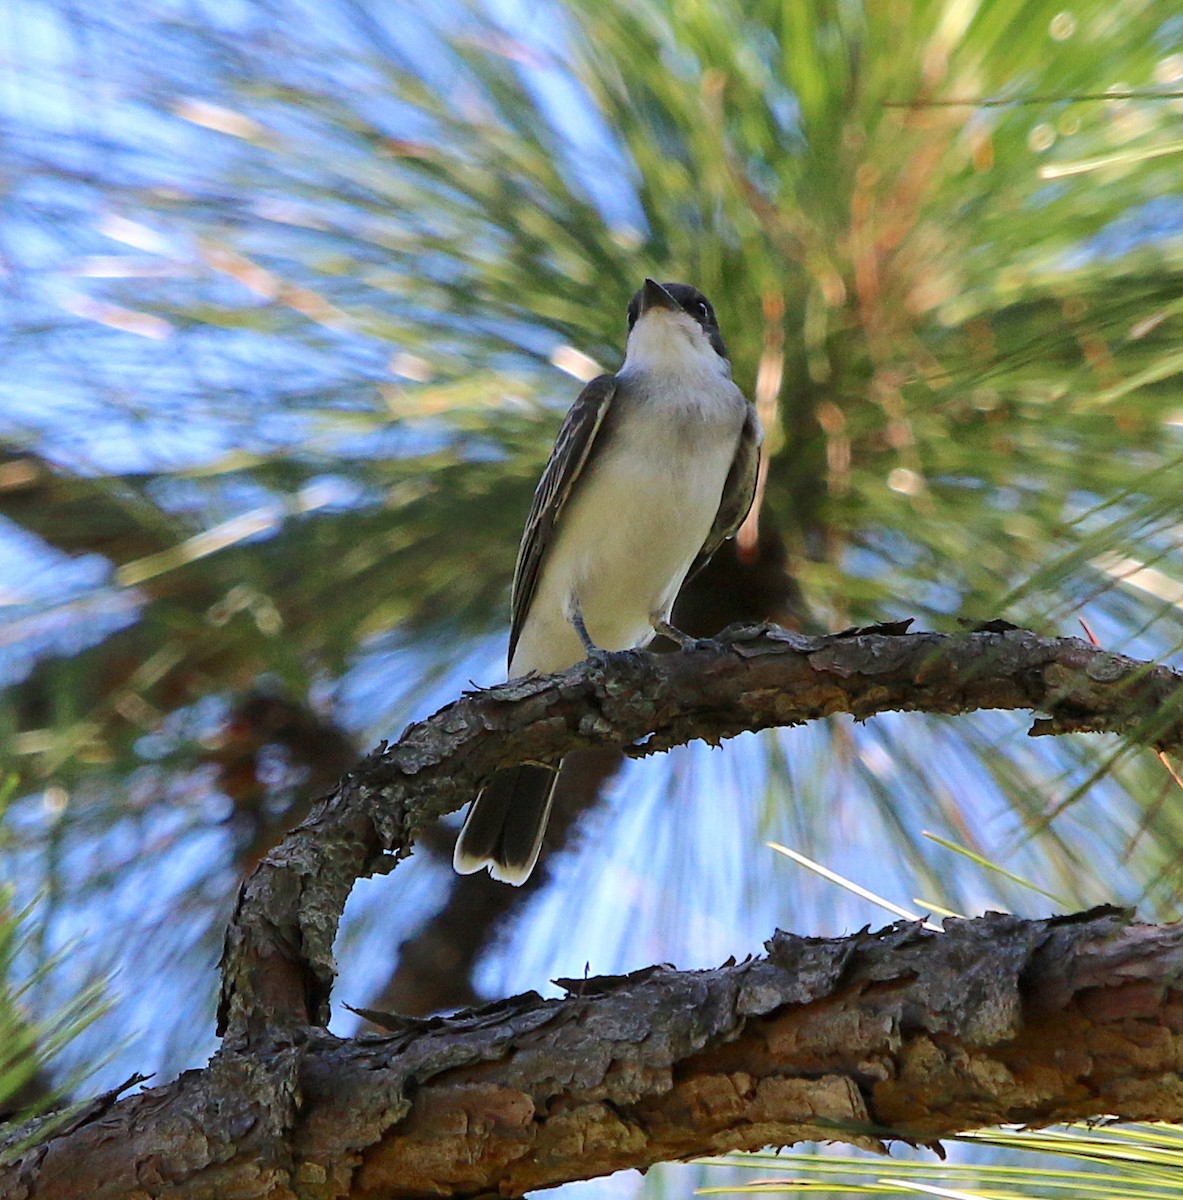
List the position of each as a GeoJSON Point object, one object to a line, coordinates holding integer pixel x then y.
{"type": "Point", "coordinates": [653, 468]}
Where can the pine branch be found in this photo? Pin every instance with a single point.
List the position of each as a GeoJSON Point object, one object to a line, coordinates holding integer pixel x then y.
{"type": "Point", "coordinates": [904, 1034]}
{"type": "Point", "coordinates": [278, 965]}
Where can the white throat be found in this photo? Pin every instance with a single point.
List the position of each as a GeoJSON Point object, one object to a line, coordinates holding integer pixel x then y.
{"type": "Point", "coordinates": [672, 344]}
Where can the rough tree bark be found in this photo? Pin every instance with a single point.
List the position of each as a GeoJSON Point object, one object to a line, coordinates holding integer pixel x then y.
{"type": "Point", "coordinates": [901, 1034]}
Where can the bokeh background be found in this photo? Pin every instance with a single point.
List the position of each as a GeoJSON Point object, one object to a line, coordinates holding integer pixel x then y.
{"type": "Point", "coordinates": [293, 299]}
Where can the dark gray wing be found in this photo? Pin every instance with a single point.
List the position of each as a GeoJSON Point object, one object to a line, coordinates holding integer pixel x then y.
{"type": "Point", "coordinates": [566, 464]}
{"type": "Point", "coordinates": [738, 491]}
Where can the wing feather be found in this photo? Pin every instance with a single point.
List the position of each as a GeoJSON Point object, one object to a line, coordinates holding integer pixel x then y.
{"type": "Point", "coordinates": [567, 460]}
{"type": "Point", "coordinates": [738, 491]}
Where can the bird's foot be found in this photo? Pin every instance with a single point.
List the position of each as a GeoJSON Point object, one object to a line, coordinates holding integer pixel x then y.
{"type": "Point", "coordinates": [595, 654]}
{"type": "Point", "coordinates": [589, 647]}
{"type": "Point", "coordinates": [682, 640]}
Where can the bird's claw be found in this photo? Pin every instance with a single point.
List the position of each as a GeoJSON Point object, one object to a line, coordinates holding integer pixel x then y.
{"type": "Point", "coordinates": [682, 640]}
{"type": "Point", "coordinates": [605, 658]}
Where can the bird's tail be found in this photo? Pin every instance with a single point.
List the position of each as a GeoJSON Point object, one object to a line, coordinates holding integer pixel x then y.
{"type": "Point", "coordinates": [504, 827]}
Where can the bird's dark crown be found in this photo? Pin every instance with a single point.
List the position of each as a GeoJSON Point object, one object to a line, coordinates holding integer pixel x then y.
{"type": "Point", "coordinates": [691, 301]}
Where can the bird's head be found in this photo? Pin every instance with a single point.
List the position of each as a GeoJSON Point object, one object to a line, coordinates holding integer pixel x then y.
{"type": "Point", "coordinates": [672, 327]}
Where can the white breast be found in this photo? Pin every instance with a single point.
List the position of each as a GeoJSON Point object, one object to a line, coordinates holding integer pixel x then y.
{"type": "Point", "coordinates": [642, 510]}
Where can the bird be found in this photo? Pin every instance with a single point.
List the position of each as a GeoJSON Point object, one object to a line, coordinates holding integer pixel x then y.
{"type": "Point", "coordinates": [653, 468]}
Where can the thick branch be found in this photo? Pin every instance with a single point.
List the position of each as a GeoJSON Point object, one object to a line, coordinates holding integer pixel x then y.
{"type": "Point", "coordinates": [901, 1034]}
{"type": "Point", "coordinates": [278, 964]}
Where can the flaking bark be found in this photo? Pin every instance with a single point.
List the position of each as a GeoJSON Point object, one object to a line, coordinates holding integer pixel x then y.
{"type": "Point", "coordinates": [902, 1034]}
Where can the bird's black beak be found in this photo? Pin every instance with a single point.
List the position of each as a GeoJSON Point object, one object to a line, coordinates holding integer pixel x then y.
{"type": "Point", "coordinates": [653, 295]}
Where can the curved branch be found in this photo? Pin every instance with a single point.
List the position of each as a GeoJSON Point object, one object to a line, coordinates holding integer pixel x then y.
{"type": "Point", "coordinates": [278, 963]}
{"type": "Point", "coordinates": [903, 1034]}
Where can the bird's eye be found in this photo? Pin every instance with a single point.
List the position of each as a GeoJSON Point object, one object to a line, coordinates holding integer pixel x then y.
{"type": "Point", "coordinates": [703, 309]}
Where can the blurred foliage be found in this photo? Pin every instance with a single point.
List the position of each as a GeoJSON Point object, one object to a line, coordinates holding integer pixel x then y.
{"type": "Point", "coordinates": [31, 1039]}
{"type": "Point", "coordinates": [1140, 1161]}
{"type": "Point", "coordinates": [31, 1035]}
{"type": "Point", "coordinates": [286, 294]}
